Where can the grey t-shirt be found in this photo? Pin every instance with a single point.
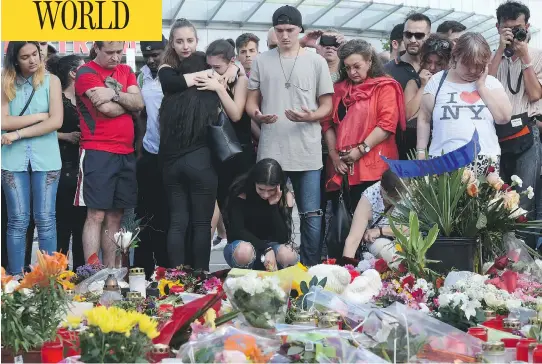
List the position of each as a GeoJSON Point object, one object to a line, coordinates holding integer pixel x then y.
{"type": "Point", "coordinates": [296, 146]}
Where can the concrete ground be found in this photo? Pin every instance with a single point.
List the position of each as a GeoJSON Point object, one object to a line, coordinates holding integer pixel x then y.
{"type": "Point", "coordinates": [217, 258]}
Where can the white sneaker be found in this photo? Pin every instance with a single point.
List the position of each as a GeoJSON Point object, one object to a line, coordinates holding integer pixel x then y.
{"type": "Point", "coordinates": [221, 245]}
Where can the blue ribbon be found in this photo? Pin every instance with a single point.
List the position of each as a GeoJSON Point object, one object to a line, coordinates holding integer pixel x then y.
{"type": "Point", "coordinates": [448, 162]}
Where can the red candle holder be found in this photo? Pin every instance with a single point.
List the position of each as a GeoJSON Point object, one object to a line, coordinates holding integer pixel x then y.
{"type": "Point", "coordinates": [52, 352]}
{"type": "Point", "coordinates": [478, 332]}
{"type": "Point", "coordinates": [70, 342]}
{"type": "Point", "coordinates": [537, 354]}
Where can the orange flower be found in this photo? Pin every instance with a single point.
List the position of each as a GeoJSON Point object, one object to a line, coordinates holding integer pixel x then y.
{"type": "Point", "coordinates": [248, 346]}
{"type": "Point", "coordinates": [5, 278]}
{"type": "Point", "coordinates": [49, 266]}
{"type": "Point", "coordinates": [472, 190]}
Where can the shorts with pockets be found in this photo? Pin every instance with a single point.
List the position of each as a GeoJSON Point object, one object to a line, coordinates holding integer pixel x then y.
{"type": "Point", "coordinates": [106, 180]}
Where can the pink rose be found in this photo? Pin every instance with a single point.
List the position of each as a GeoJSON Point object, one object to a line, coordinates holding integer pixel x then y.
{"type": "Point", "coordinates": [495, 181]}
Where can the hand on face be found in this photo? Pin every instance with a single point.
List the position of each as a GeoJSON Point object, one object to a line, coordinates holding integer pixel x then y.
{"type": "Point", "coordinates": [275, 198]}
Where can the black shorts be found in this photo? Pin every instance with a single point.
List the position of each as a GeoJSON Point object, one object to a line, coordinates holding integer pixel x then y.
{"type": "Point", "coordinates": [106, 180]}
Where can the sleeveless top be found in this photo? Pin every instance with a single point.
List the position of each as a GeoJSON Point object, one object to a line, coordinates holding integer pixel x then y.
{"type": "Point", "coordinates": [41, 152]}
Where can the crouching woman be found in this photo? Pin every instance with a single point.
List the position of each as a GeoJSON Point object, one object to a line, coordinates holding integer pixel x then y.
{"type": "Point", "coordinates": [258, 220]}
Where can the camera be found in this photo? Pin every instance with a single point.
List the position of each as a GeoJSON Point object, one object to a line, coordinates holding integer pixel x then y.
{"type": "Point", "coordinates": [520, 34]}
{"type": "Point", "coordinates": [329, 41]}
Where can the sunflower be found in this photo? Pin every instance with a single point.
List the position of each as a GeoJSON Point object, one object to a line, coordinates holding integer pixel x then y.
{"type": "Point", "coordinates": [165, 285]}
{"type": "Point", "coordinates": [64, 279]}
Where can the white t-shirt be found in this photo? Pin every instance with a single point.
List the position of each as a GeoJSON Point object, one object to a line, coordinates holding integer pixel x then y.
{"type": "Point", "coordinates": [459, 110]}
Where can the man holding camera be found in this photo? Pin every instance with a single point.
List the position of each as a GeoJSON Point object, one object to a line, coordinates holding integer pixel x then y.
{"type": "Point", "coordinates": [519, 68]}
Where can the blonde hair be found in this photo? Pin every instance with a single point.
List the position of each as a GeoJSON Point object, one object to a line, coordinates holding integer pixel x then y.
{"type": "Point", "coordinates": [11, 69]}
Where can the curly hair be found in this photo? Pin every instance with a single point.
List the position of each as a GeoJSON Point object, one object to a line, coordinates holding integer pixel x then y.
{"type": "Point", "coordinates": [366, 50]}
{"type": "Point", "coordinates": [439, 45]}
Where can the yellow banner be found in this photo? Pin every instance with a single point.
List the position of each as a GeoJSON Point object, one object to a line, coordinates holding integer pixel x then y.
{"type": "Point", "coordinates": [81, 20]}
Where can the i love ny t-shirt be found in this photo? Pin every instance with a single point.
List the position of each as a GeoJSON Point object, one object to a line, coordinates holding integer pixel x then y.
{"type": "Point", "coordinates": [459, 110]}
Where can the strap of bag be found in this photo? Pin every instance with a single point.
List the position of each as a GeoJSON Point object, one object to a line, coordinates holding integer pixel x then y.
{"type": "Point", "coordinates": [436, 94]}
{"type": "Point", "coordinates": [345, 192]}
{"type": "Point", "coordinates": [374, 224]}
{"type": "Point", "coordinates": [27, 103]}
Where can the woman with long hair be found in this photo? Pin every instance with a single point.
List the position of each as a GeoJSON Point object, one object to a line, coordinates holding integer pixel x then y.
{"type": "Point", "coordinates": [468, 100]}
{"type": "Point", "coordinates": [181, 46]}
{"type": "Point", "coordinates": [189, 177]}
{"type": "Point", "coordinates": [367, 108]}
{"type": "Point", "coordinates": [435, 56]}
{"type": "Point", "coordinates": [221, 55]}
{"type": "Point", "coordinates": [258, 217]}
{"type": "Point", "coordinates": [70, 219]}
{"type": "Point", "coordinates": [31, 113]}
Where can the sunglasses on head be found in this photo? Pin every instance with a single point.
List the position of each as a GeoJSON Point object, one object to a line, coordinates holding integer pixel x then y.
{"type": "Point", "coordinates": [439, 45]}
{"type": "Point", "coordinates": [418, 36]}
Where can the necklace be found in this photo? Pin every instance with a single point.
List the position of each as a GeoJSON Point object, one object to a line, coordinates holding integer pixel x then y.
{"type": "Point", "coordinates": [287, 84]}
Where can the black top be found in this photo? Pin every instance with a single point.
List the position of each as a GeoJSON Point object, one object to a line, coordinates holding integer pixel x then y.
{"type": "Point", "coordinates": [255, 221]}
{"type": "Point", "coordinates": [69, 153]}
{"type": "Point", "coordinates": [172, 80]}
{"type": "Point", "coordinates": [241, 127]}
{"type": "Point", "coordinates": [402, 72]}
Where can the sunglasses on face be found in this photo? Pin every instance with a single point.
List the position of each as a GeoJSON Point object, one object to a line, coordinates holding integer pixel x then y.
{"type": "Point", "coordinates": [418, 36]}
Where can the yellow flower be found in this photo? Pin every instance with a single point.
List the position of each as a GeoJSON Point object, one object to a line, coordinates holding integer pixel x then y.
{"type": "Point", "coordinates": [305, 269]}
{"type": "Point", "coordinates": [398, 247]}
{"type": "Point", "coordinates": [148, 326]}
{"type": "Point", "coordinates": [210, 317]}
{"type": "Point", "coordinates": [72, 321]}
{"type": "Point", "coordinates": [167, 283]}
{"type": "Point", "coordinates": [79, 298]}
{"type": "Point", "coordinates": [297, 288]}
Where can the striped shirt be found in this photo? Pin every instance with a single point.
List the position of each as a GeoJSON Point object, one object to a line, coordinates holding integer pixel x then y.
{"type": "Point", "coordinates": [520, 101]}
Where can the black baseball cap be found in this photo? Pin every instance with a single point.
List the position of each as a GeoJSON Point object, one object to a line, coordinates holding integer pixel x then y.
{"type": "Point", "coordinates": [153, 45]}
{"type": "Point", "coordinates": [288, 15]}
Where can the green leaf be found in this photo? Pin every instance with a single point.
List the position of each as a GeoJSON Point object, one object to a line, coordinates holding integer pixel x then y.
{"type": "Point", "coordinates": [313, 282]}
{"type": "Point", "coordinates": [482, 222]}
{"type": "Point", "coordinates": [294, 350]}
{"type": "Point", "coordinates": [323, 282]}
{"type": "Point", "coordinates": [304, 287]}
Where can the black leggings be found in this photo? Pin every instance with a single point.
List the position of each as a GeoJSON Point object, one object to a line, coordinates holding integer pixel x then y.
{"type": "Point", "coordinates": [191, 185]}
{"type": "Point", "coordinates": [70, 219]}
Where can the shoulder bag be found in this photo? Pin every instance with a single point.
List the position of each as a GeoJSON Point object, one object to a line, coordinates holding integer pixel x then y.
{"type": "Point", "coordinates": [222, 138]}
{"type": "Point", "coordinates": [341, 222]}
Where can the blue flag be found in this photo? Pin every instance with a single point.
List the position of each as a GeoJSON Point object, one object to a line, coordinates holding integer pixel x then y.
{"type": "Point", "coordinates": [448, 162]}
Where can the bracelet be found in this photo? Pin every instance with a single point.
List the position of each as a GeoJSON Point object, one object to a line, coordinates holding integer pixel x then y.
{"type": "Point", "coordinates": [420, 150]}
{"type": "Point", "coordinates": [18, 135]}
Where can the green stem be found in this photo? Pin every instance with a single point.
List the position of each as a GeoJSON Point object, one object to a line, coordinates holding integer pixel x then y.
{"type": "Point", "coordinates": [386, 356]}
{"type": "Point", "coordinates": [226, 318]}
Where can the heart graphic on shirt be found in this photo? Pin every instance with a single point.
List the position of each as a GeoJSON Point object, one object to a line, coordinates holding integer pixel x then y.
{"type": "Point", "coordinates": [470, 97]}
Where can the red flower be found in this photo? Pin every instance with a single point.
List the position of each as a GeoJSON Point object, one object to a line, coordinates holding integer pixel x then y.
{"type": "Point", "coordinates": [176, 289]}
{"type": "Point", "coordinates": [505, 187]}
{"type": "Point", "coordinates": [160, 273]}
{"type": "Point", "coordinates": [408, 281]}
{"type": "Point", "coordinates": [381, 266]}
{"type": "Point", "coordinates": [439, 282]}
{"type": "Point", "coordinates": [402, 268]}
{"type": "Point", "coordinates": [353, 274]}
{"type": "Point", "coordinates": [418, 295]}
{"type": "Point", "coordinates": [165, 308]}
{"type": "Point", "coordinates": [522, 219]}
{"type": "Point", "coordinates": [490, 169]}
{"type": "Point", "coordinates": [501, 263]}
{"type": "Point", "coordinates": [330, 261]}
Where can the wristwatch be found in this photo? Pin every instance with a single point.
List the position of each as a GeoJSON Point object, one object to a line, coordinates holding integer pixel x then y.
{"type": "Point", "coordinates": [365, 148]}
{"type": "Point", "coordinates": [524, 66]}
{"type": "Point", "coordinates": [116, 98]}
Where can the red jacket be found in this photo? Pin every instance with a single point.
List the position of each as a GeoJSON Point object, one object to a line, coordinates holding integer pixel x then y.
{"type": "Point", "coordinates": [375, 102]}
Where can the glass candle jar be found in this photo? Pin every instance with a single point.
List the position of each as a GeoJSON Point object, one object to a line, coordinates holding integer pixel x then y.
{"type": "Point", "coordinates": [137, 281]}
{"type": "Point", "coordinates": [303, 318]}
{"type": "Point", "coordinates": [159, 352]}
{"type": "Point", "coordinates": [493, 352]}
{"type": "Point", "coordinates": [490, 315]}
{"type": "Point", "coordinates": [479, 332]}
{"type": "Point", "coordinates": [524, 351]}
{"type": "Point", "coordinates": [510, 351]}
{"type": "Point", "coordinates": [511, 324]}
{"type": "Point", "coordinates": [134, 296]}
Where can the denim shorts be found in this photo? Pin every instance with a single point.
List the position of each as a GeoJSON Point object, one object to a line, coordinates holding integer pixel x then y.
{"type": "Point", "coordinates": [256, 263]}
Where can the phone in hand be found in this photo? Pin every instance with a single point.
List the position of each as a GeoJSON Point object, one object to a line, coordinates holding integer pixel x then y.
{"type": "Point", "coordinates": [329, 41]}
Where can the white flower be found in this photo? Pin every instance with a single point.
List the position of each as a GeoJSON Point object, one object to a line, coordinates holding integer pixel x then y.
{"type": "Point", "coordinates": [491, 300]}
{"type": "Point", "coordinates": [518, 181]}
{"type": "Point", "coordinates": [530, 192]}
{"type": "Point", "coordinates": [11, 286]}
{"type": "Point", "coordinates": [517, 213]}
{"type": "Point", "coordinates": [513, 304]}
{"type": "Point", "coordinates": [493, 158]}
{"type": "Point", "coordinates": [423, 307]}
{"type": "Point", "coordinates": [469, 308]}
{"type": "Point", "coordinates": [123, 238]}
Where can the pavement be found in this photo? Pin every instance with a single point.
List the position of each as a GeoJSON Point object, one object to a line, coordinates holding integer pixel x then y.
{"type": "Point", "coordinates": [217, 261]}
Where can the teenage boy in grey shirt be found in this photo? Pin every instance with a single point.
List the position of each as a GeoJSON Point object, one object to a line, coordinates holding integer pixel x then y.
{"type": "Point", "coordinates": [290, 91]}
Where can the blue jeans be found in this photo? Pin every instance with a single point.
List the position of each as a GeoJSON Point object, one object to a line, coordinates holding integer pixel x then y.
{"type": "Point", "coordinates": [255, 264]}
{"type": "Point", "coordinates": [307, 196]}
{"type": "Point", "coordinates": [25, 192]}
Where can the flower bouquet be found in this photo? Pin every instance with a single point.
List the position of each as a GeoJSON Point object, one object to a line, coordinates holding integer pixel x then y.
{"type": "Point", "coordinates": [185, 279]}
{"type": "Point", "coordinates": [229, 345]}
{"type": "Point", "coordinates": [116, 336]}
{"type": "Point", "coordinates": [262, 301]}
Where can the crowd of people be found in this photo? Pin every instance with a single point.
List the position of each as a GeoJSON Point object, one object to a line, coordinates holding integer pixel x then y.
{"type": "Point", "coordinates": [84, 141]}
